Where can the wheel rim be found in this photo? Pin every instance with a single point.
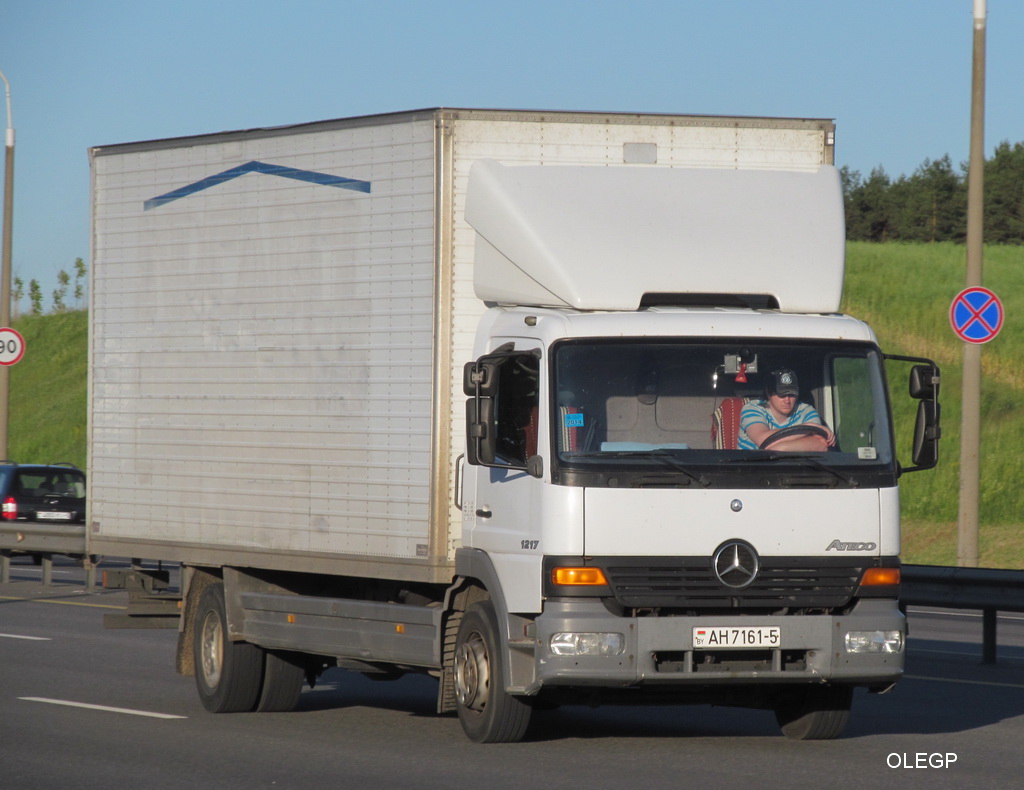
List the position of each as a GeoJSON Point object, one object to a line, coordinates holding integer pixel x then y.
{"type": "Point", "coordinates": [472, 673]}
{"type": "Point", "coordinates": [211, 650]}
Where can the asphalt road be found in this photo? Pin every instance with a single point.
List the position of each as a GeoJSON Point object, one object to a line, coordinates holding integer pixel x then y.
{"type": "Point", "coordinates": [85, 707]}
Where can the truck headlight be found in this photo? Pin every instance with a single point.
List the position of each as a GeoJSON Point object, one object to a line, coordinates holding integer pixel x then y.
{"type": "Point", "coordinates": [874, 642]}
{"type": "Point", "coordinates": [577, 644]}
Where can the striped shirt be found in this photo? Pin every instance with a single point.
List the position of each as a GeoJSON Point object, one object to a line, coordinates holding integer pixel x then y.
{"type": "Point", "coordinates": [757, 412]}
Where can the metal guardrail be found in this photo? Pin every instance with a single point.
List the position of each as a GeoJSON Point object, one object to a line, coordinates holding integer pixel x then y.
{"type": "Point", "coordinates": [32, 537]}
{"type": "Point", "coordinates": [43, 540]}
{"type": "Point", "coordinates": [991, 590]}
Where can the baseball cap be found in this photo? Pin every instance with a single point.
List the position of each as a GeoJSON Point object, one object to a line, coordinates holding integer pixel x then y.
{"type": "Point", "coordinates": [783, 382]}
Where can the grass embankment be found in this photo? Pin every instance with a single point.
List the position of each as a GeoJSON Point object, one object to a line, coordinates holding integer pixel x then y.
{"type": "Point", "coordinates": [47, 411]}
{"type": "Point", "coordinates": [903, 290]}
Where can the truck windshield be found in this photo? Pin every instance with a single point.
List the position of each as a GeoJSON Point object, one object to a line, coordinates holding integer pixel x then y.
{"type": "Point", "coordinates": [687, 405]}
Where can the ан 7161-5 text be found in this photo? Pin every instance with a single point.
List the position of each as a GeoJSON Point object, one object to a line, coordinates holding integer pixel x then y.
{"type": "Point", "coordinates": [718, 636]}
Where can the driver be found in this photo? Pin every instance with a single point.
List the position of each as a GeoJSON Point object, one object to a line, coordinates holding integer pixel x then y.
{"type": "Point", "coordinates": [779, 409]}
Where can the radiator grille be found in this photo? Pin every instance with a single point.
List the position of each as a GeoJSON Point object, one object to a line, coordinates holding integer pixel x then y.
{"type": "Point", "coordinates": [691, 584]}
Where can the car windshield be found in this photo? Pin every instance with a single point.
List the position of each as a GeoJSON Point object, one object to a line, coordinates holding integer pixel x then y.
{"type": "Point", "coordinates": [685, 404]}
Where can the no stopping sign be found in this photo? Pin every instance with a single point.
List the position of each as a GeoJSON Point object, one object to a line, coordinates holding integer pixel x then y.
{"type": "Point", "coordinates": [12, 346]}
{"type": "Point", "coordinates": [976, 315]}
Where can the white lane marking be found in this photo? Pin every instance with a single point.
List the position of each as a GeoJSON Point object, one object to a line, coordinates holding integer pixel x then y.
{"type": "Point", "coordinates": [63, 603]}
{"type": "Point", "coordinates": [968, 682]}
{"type": "Point", "coordinates": [108, 709]}
{"type": "Point", "coordinates": [973, 614]}
{"type": "Point", "coordinates": [33, 638]}
{"type": "Point", "coordinates": [966, 654]}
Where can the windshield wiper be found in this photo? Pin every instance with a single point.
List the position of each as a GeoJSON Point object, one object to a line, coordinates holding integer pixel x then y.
{"type": "Point", "coordinates": [814, 461]}
{"type": "Point", "coordinates": [804, 458]}
{"type": "Point", "coordinates": [665, 457]}
{"type": "Point", "coordinates": [675, 463]}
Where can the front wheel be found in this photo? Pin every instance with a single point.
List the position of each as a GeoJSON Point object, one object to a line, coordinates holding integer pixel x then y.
{"type": "Point", "coordinates": [815, 712]}
{"type": "Point", "coordinates": [487, 712]}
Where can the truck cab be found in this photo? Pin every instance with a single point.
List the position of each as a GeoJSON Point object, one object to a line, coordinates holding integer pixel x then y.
{"type": "Point", "coordinates": [638, 536]}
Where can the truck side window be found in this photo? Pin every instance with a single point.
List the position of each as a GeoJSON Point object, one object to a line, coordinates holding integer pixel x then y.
{"type": "Point", "coordinates": [516, 404]}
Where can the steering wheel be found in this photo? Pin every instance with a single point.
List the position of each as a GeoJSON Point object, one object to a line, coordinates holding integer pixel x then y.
{"type": "Point", "coordinates": [807, 428]}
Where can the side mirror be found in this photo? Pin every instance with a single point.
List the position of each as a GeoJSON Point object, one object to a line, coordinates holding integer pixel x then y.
{"type": "Point", "coordinates": [924, 380]}
{"type": "Point", "coordinates": [926, 436]}
{"type": "Point", "coordinates": [480, 377]}
{"type": "Point", "coordinates": [480, 439]}
{"type": "Point", "coordinates": [924, 387]}
{"type": "Point", "coordinates": [502, 389]}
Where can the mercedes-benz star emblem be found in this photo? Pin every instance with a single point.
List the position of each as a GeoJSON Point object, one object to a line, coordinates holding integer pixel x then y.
{"type": "Point", "coordinates": [736, 564]}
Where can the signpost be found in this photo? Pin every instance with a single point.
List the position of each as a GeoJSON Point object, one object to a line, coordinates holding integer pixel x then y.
{"type": "Point", "coordinates": [12, 346]}
{"type": "Point", "coordinates": [976, 315]}
{"type": "Point", "coordinates": [5, 263]}
{"type": "Point", "coordinates": [970, 422]}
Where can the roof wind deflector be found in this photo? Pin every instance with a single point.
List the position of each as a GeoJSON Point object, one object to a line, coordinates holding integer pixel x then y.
{"type": "Point", "coordinates": [752, 301]}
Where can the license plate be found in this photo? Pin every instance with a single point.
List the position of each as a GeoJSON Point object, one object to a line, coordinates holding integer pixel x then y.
{"type": "Point", "coordinates": [50, 515]}
{"type": "Point", "coordinates": [718, 636]}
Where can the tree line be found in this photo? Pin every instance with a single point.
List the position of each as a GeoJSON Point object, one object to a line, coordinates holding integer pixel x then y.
{"type": "Point", "coordinates": [928, 206]}
{"type": "Point", "coordinates": [931, 204]}
{"type": "Point", "coordinates": [60, 294]}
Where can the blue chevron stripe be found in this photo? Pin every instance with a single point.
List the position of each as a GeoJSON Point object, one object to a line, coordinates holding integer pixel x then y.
{"type": "Point", "coordinates": [258, 167]}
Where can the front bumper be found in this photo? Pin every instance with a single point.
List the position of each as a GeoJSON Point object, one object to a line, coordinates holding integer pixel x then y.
{"type": "Point", "coordinates": [659, 650]}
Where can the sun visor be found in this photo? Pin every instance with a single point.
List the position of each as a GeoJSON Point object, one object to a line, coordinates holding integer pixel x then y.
{"type": "Point", "coordinates": [600, 238]}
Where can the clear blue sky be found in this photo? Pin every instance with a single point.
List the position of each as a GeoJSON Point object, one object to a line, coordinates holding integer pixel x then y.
{"type": "Point", "coordinates": [894, 74]}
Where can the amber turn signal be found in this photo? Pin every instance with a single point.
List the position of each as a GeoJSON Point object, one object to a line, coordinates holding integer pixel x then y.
{"type": "Point", "coordinates": [878, 577]}
{"type": "Point", "coordinates": [590, 577]}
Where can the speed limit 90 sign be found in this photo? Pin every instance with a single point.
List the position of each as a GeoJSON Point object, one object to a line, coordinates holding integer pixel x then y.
{"type": "Point", "coordinates": [12, 346]}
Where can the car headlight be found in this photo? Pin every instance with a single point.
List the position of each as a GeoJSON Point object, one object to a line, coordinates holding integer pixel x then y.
{"type": "Point", "coordinates": [874, 642]}
{"type": "Point", "coordinates": [583, 644]}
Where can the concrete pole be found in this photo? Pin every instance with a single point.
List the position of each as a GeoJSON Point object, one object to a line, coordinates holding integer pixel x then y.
{"type": "Point", "coordinates": [5, 268]}
{"type": "Point", "coordinates": [970, 432]}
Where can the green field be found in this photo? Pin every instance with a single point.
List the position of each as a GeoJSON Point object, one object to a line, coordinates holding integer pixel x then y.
{"type": "Point", "coordinates": [47, 412]}
{"type": "Point", "coordinates": [903, 290]}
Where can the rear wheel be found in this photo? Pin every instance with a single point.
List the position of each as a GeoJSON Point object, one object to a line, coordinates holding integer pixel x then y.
{"type": "Point", "coordinates": [229, 675]}
{"type": "Point", "coordinates": [282, 681]}
{"type": "Point", "coordinates": [487, 712]}
{"type": "Point", "coordinates": [815, 712]}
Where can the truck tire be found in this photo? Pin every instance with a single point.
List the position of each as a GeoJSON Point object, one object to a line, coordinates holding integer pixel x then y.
{"type": "Point", "coordinates": [229, 675]}
{"type": "Point", "coordinates": [283, 674]}
{"type": "Point", "coordinates": [487, 712]}
{"type": "Point", "coordinates": [815, 713]}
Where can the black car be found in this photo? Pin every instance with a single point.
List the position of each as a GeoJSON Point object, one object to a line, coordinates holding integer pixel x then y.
{"type": "Point", "coordinates": [42, 492]}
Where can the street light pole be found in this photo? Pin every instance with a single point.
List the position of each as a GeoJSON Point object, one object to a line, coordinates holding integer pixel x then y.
{"type": "Point", "coordinates": [5, 269]}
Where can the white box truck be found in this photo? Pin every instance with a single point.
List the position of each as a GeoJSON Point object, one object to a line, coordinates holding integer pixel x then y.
{"type": "Point", "coordinates": [482, 394]}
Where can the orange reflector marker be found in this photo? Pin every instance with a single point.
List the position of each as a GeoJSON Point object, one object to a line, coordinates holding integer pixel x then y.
{"type": "Point", "coordinates": [399, 629]}
{"type": "Point", "coordinates": [877, 577]}
{"type": "Point", "coordinates": [591, 577]}
{"type": "Point", "coordinates": [290, 618]}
